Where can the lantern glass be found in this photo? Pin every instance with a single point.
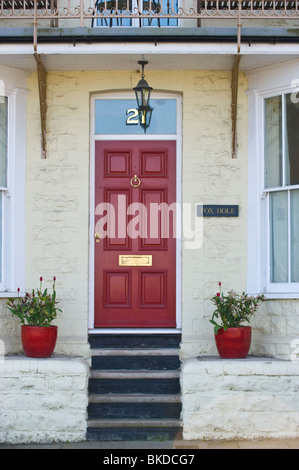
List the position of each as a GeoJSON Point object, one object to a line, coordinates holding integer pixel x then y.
{"type": "Point", "coordinates": [145, 116]}
{"type": "Point", "coordinates": [143, 93]}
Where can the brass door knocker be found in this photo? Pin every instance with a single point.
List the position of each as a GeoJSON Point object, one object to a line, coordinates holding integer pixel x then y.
{"type": "Point", "coordinates": [135, 181]}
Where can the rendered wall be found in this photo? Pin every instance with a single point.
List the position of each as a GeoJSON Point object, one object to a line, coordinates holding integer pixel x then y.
{"type": "Point", "coordinates": [58, 193]}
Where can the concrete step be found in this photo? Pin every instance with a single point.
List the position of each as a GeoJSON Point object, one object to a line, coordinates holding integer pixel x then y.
{"type": "Point", "coordinates": [135, 352]}
{"type": "Point", "coordinates": [134, 398]}
{"type": "Point", "coordinates": [122, 385]}
{"type": "Point", "coordinates": [140, 341]}
{"type": "Point", "coordinates": [137, 410]}
{"type": "Point", "coordinates": [134, 374]}
{"type": "Point", "coordinates": [134, 388]}
{"type": "Point", "coordinates": [134, 430]}
{"type": "Point", "coordinates": [132, 423]}
{"type": "Point", "coordinates": [135, 359]}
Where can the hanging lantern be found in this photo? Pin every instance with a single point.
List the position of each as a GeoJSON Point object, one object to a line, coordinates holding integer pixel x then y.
{"type": "Point", "coordinates": [143, 93]}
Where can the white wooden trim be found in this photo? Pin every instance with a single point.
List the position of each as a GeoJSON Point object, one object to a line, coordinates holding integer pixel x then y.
{"type": "Point", "coordinates": [162, 48]}
{"type": "Point", "coordinates": [264, 83]}
{"type": "Point", "coordinates": [137, 137]}
{"type": "Point", "coordinates": [14, 194]}
{"type": "Point", "coordinates": [16, 197]}
{"type": "Point", "coordinates": [134, 330]}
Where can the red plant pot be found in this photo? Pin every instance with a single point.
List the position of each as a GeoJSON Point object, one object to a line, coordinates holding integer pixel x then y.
{"type": "Point", "coordinates": [38, 341]}
{"type": "Point", "coordinates": [233, 343]}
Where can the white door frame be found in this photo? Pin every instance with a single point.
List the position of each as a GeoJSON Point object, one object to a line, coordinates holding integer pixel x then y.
{"type": "Point", "coordinates": [138, 137]}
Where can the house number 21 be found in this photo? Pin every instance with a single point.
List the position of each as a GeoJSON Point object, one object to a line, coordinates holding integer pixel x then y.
{"type": "Point", "coordinates": [132, 117]}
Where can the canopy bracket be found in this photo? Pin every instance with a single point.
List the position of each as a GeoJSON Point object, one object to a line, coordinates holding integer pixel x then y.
{"type": "Point", "coordinates": [42, 88]}
{"type": "Point", "coordinates": [234, 103]}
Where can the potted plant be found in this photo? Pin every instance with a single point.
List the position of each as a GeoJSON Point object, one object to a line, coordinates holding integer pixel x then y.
{"type": "Point", "coordinates": [232, 338]}
{"type": "Point", "coordinates": [36, 312]}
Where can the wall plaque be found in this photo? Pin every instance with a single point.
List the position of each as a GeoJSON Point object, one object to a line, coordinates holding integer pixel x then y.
{"type": "Point", "coordinates": [215, 210]}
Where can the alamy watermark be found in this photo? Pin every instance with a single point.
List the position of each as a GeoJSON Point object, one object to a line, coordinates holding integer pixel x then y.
{"type": "Point", "coordinates": [152, 221]}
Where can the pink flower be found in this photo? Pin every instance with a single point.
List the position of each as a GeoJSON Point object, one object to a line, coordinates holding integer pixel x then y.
{"type": "Point", "coordinates": [40, 279]}
{"type": "Point", "coordinates": [220, 284]}
{"type": "Point", "coordinates": [18, 289]}
{"type": "Point", "coordinates": [54, 278]}
{"type": "Point", "coordinates": [218, 294]}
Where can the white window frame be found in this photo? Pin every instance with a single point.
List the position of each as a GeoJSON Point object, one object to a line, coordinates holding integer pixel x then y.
{"type": "Point", "coordinates": [258, 279]}
{"type": "Point", "coordinates": [12, 85]}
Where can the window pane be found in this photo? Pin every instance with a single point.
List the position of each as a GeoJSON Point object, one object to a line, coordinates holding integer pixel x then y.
{"type": "Point", "coordinates": [279, 237]}
{"type": "Point", "coordinates": [273, 142]}
{"type": "Point", "coordinates": [292, 141]}
{"type": "Point", "coordinates": [3, 141]}
{"type": "Point", "coordinates": [294, 236]}
{"type": "Point", "coordinates": [168, 7]}
{"type": "Point", "coordinates": [109, 6]}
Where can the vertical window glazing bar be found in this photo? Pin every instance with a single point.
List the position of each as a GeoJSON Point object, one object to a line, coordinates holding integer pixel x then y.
{"type": "Point", "coordinates": [283, 149]}
{"type": "Point", "coordinates": [3, 140]}
{"type": "Point", "coordinates": [289, 236]}
{"type": "Point", "coordinates": [294, 222]}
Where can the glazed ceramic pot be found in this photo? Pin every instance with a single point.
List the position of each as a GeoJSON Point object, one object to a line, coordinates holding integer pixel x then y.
{"type": "Point", "coordinates": [38, 341]}
{"type": "Point", "coordinates": [233, 343]}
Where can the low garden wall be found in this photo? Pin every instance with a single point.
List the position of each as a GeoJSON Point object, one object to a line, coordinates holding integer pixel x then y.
{"type": "Point", "coordinates": [43, 400]}
{"type": "Point", "coordinates": [240, 399]}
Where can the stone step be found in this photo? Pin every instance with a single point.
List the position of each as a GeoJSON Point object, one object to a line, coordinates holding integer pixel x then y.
{"type": "Point", "coordinates": [139, 341]}
{"type": "Point", "coordinates": [134, 387]}
{"type": "Point", "coordinates": [135, 359]}
{"type": "Point", "coordinates": [142, 411]}
{"type": "Point", "coordinates": [133, 430]}
{"type": "Point", "coordinates": [135, 363]}
{"type": "Point", "coordinates": [134, 398]}
{"type": "Point", "coordinates": [135, 352]}
{"type": "Point", "coordinates": [134, 374]}
{"type": "Point", "coordinates": [124, 382]}
{"type": "Point", "coordinates": [132, 423]}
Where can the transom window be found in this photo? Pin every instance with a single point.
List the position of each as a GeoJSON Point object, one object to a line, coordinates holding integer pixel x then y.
{"type": "Point", "coordinates": [120, 116]}
{"type": "Point", "coordinates": [281, 186]}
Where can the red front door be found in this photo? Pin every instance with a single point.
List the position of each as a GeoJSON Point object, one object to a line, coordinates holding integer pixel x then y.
{"type": "Point", "coordinates": [135, 244]}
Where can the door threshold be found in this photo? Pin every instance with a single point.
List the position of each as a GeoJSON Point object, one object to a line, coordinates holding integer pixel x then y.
{"type": "Point", "coordinates": [118, 331]}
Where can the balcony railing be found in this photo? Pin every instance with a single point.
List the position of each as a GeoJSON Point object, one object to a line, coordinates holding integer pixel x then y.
{"type": "Point", "coordinates": [148, 9]}
{"type": "Point", "coordinates": [143, 13]}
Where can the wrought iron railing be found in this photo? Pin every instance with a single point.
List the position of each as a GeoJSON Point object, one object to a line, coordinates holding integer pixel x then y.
{"type": "Point", "coordinates": [178, 9]}
{"type": "Point", "coordinates": [144, 13]}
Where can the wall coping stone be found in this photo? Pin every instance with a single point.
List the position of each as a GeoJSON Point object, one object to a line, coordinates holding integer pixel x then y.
{"type": "Point", "coordinates": [19, 363]}
{"type": "Point", "coordinates": [251, 365]}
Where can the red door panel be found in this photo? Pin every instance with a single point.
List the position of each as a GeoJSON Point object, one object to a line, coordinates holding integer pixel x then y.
{"type": "Point", "coordinates": [132, 224]}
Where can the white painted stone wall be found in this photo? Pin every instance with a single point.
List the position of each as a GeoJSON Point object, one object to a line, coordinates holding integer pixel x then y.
{"type": "Point", "coordinates": [43, 400]}
{"type": "Point", "coordinates": [240, 399]}
{"type": "Point", "coordinates": [211, 176]}
{"type": "Point", "coordinates": [57, 243]}
{"type": "Point", "coordinates": [58, 199]}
